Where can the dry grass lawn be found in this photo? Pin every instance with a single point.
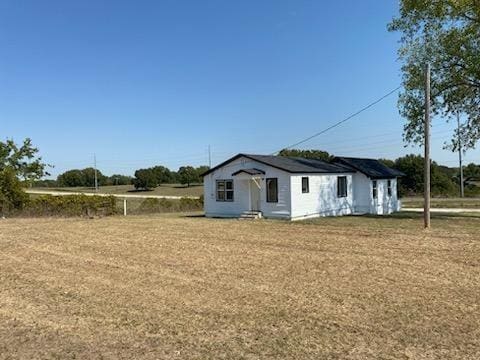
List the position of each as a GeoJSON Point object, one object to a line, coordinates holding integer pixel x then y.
{"type": "Point", "coordinates": [167, 287]}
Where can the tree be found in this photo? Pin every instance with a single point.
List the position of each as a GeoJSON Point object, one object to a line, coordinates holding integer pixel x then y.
{"type": "Point", "coordinates": [145, 179]}
{"type": "Point", "coordinates": [12, 195]}
{"type": "Point", "coordinates": [308, 154]}
{"type": "Point", "coordinates": [117, 179]}
{"type": "Point", "coordinates": [23, 160]}
{"type": "Point", "coordinates": [445, 33]}
{"type": "Point", "coordinates": [71, 178]}
{"type": "Point", "coordinates": [412, 183]}
{"type": "Point", "coordinates": [188, 175]}
{"type": "Point", "coordinates": [89, 177]}
{"type": "Point", "coordinates": [162, 174]}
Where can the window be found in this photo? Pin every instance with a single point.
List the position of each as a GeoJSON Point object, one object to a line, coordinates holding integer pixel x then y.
{"type": "Point", "coordinates": [305, 187]}
{"type": "Point", "coordinates": [374, 188]}
{"type": "Point", "coordinates": [342, 186]}
{"type": "Point", "coordinates": [389, 187]}
{"type": "Point", "coordinates": [272, 190]}
{"type": "Point", "coordinates": [224, 190]}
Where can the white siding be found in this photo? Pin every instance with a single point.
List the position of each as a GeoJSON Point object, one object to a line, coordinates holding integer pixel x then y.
{"type": "Point", "coordinates": [362, 193]}
{"type": "Point", "coordinates": [322, 199]}
{"type": "Point", "coordinates": [385, 204]}
{"type": "Point", "coordinates": [363, 198]}
{"type": "Point", "coordinates": [241, 202]}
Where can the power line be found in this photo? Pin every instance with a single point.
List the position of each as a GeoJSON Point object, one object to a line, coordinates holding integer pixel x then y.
{"type": "Point", "coordinates": [341, 121]}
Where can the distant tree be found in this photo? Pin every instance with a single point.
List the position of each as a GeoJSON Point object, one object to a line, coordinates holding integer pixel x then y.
{"type": "Point", "coordinates": [471, 172]}
{"type": "Point", "coordinates": [308, 154]}
{"type": "Point", "coordinates": [188, 175]}
{"type": "Point", "coordinates": [162, 174]}
{"type": "Point", "coordinates": [118, 179]}
{"type": "Point", "coordinates": [201, 170]}
{"type": "Point", "coordinates": [71, 178]}
{"type": "Point", "coordinates": [89, 177]}
{"type": "Point", "coordinates": [412, 182]}
{"type": "Point", "coordinates": [388, 162]}
{"type": "Point", "coordinates": [145, 179]}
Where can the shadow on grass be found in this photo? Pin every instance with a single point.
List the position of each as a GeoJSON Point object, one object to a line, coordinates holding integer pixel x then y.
{"type": "Point", "coordinates": [139, 190]}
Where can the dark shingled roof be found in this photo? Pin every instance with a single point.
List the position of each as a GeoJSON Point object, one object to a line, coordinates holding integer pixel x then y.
{"type": "Point", "coordinates": [374, 169]}
{"type": "Point", "coordinates": [290, 164]}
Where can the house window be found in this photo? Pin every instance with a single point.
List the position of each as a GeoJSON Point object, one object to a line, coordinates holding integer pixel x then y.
{"type": "Point", "coordinates": [342, 186]}
{"type": "Point", "coordinates": [305, 186]}
{"type": "Point", "coordinates": [224, 190]}
{"type": "Point", "coordinates": [374, 189]}
{"type": "Point", "coordinates": [389, 187]}
{"type": "Point", "coordinates": [272, 190]}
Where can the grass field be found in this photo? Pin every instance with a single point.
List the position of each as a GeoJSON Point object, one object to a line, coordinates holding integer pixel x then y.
{"type": "Point", "coordinates": [164, 189]}
{"type": "Point", "coordinates": [171, 287]}
{"type": "Point", "coordinates": [417, 202]}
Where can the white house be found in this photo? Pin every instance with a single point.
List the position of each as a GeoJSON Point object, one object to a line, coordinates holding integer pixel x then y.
{"type": "Point", "coordinates": [298, 188]}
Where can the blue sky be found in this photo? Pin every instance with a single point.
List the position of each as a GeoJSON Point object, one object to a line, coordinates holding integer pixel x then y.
{"type": "Point", "coordinates": [142, 83]}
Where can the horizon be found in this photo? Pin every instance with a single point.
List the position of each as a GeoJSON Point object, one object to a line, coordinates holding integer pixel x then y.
{"type": "Point", "coordinates": [158, 83]}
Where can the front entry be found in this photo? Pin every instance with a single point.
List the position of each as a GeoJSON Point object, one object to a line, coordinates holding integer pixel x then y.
{"type": "Point", "coordinates": [254, 196]}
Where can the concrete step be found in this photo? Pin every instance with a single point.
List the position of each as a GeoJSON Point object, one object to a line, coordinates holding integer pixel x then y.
{"type": "Point", "coordinates": [250, 215]}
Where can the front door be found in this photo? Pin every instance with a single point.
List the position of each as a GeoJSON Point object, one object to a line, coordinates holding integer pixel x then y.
{"type": "Point", "coordinates": [254, 196]}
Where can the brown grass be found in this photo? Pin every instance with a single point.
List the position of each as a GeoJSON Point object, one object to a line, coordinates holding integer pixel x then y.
{"type": "Point", "coordinates": [166, 287]}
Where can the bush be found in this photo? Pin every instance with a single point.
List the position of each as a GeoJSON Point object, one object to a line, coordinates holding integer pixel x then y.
{"type": "Point", "coordinates": [153, 205]}
{"type": "Point", "coordinates": [12, 196]}
{"type": "Point", "coordinates": [70, 205]}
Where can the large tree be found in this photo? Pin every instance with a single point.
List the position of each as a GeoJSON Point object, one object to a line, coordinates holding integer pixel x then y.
{"type": "Point", "coordinates": [17, 163]}
{"type": "Point", "coordinates": [23, 159]}
{"type": "Point", "coordinates": [446, 34]}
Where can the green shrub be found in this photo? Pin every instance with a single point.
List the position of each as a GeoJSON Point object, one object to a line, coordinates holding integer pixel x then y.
{"type": "Point", "coordinates": [154, 205]}
{"type": "Point", "coordinates": [12, 196]}
{"type": "Point", "coordinates": [70, 205]}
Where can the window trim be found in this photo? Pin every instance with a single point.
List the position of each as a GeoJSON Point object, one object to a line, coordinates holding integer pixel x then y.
{"type": "Point", "coordinates": [345, 193]}
{"type": "Point", "coordinates": [275, 200]}
{"type": "Point", "coordinates": [306, 189]}
{"type": "Point", "coordinates": [224, 191]}
{"type": "Point", "coordinates": [374, 189]}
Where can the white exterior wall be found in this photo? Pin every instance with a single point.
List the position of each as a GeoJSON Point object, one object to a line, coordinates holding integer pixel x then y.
{"type": "Point", "coordinates": [385, 204]}
{"type": "Point", "coordinates": [362, 190]}
{"type": "Point", "coordinates": [363, 196]}
{"type": "Point", "coordinates": [322, 199]}
{"type": "Point", "coordinates": [241, 202]}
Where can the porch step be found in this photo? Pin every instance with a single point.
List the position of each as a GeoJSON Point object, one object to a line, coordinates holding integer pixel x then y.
{"type": "Point", "coordinates": [250, 215]}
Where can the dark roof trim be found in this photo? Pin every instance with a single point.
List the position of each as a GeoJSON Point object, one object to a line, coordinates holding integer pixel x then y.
{"type": "Point", "coordinates": [249, 172]}
{"type": "Point", "coordinates": [253, 158]}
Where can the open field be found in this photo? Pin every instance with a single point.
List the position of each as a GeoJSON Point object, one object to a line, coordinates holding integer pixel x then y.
{"type": "Point", "coordinates": [467, 203]}
{"type": "Point", "coordinates": [163, 190]}
{"type": "Point", "coordinates": [171, 287]}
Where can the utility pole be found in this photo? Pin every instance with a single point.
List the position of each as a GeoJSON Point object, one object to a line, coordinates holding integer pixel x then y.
{"type": "Point", "coordinates": [462, 191]}
{"type": "Point", "coordinates": [95, 166]}
{"type": "Point", "coordinates": [209, 157]}
{"type": "Point", "coordinates": [426, 180]}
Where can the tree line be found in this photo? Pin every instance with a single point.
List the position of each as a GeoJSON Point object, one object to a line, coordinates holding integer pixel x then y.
{"type": "Point", "coordinates": [143, 179]}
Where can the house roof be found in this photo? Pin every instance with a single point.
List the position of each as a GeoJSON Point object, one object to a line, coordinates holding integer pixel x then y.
{"type": "Point", "coordinates": [374, 169]}
{"type": "Point", "coordinates": [290, 164]}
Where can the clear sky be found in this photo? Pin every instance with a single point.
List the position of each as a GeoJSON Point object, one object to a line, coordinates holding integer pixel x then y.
{"type": "Point", "coordinates": [142, 83]}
